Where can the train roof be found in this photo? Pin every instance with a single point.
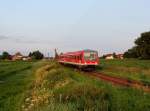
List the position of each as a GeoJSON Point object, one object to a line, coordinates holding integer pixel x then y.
{"type": "Point", "coordinates": [77, 52]}
{"type": "Point", "coordinates": [89, 50]}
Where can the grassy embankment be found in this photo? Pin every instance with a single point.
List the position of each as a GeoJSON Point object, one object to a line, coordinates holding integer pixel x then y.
{"type": "Point", "coordinates": [47, 86]}
{"type": "Point", "coordinates": [132, 69]}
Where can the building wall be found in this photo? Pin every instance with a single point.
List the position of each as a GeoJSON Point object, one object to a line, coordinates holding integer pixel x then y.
{"type": "Point", "coordinates": [109, 57]}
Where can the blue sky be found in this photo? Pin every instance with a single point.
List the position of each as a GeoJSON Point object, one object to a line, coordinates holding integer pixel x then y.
{"type": "Point", "coordinates": [68, 25]}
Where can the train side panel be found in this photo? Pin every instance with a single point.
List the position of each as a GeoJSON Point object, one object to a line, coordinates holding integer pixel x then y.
{"type": "Point", "coordinates": [78, 58]}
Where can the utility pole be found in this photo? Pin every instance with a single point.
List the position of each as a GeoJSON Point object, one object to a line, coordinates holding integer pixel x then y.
{"type": "Point", "coordinates": [56, 54]}
{"type": "Point", "coordinates": [48, 56]}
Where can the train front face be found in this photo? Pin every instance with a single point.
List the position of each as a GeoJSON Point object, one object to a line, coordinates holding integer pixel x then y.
{"type": "Point", "coordinates": [90, 58]}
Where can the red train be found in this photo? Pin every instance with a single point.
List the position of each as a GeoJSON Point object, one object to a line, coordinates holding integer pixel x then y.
{"type": "Point", "coordinates": [82, 59]}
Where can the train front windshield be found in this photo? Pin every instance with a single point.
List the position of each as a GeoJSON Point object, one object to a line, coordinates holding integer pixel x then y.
{"type": "Point", "coordinates": [91, 55]}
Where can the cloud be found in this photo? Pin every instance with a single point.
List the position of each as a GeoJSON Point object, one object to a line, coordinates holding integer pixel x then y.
{"type": "Point", "coordinates": [2, 37]}
{"type": "Point", "coordinates": [30, 41]}
{"type": "Point", "coordinates": [23, 40]}
{"type": "Point", "coordinates": [18, 39]}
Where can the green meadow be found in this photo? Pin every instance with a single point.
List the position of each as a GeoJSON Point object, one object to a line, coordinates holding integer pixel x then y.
{"type": "Point", "coordinates": [48, 86]}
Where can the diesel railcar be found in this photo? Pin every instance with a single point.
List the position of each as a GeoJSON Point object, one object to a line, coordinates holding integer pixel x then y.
{"type": "Point", "coordinates": [82, 59]}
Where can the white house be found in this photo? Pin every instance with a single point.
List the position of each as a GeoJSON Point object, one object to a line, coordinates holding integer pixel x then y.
{"type": "Point", "coordinates": [109, 56]}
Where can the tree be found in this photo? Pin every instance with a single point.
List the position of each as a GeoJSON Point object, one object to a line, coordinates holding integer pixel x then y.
{"type": "Point", "coordinates": [5, 55]}
{"type": "Point", "coordinates": [143, 45]}
{"type": "Point", "coordinates": [114, 55]}
{"type": "Point", "coordinates": [30, 54]}
{"type": "Point", "coordinates": [141, 49]}
{"type": "Point", "coordinates": [131, 53]}
{"type": "Point", "coordinates": [36, 55]}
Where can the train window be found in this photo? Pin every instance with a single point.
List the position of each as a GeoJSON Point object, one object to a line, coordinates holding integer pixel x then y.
{"type": "Point", "coordinates": [81, 57]}
{"type": "Point", "coordinates": [90, 55]}
{"type": "Point", "coordinates": [72, 57]}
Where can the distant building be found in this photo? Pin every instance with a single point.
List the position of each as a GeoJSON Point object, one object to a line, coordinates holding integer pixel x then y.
{"type": "Point", "coordinates": [26, 58]}
{"type": "Point", "coordinates": [109, 56]}
{"type": "Point", "coordinates": [119, 56]}
{"type": "Point", "coordinates": [48, 58]}
{"type": "Point", "coordinates": [17, 56]}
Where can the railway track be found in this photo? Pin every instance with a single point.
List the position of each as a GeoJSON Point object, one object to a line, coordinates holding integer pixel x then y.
{"type": "Point", "coordinates": [120, 81]}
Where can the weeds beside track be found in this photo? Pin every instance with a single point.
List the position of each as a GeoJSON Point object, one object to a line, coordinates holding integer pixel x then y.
{"type": "Point", "coordinates": [120, 81]}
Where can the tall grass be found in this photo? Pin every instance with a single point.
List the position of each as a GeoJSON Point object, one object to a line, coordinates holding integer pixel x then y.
{"type": "Point", "coordinates": [15, 78]}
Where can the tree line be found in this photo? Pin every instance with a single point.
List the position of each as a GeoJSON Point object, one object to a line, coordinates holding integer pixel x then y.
{"type": "Point", "coordinates": [35, 55]}
{"type": "Point", "coordinates": [141, 49]}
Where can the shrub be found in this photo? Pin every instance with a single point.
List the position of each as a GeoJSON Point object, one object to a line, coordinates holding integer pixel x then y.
{"type": "Point", "coordinates": [36, 55]}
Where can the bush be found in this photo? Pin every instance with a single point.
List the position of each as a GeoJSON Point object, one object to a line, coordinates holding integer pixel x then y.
{"type": "Point", "coordinates": [36, 55]}
{"type": "Point", "coordinates": [5, 55]}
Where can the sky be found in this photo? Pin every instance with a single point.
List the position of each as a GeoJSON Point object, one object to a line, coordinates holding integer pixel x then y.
{"type": "Point", "coordinates": [69, 25]}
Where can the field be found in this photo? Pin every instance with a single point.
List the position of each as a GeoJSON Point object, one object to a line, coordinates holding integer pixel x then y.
{"type": "Point", "coordinates": [48, 86]}
{"type": "Point", "coordinates": [15, 78]}
{"type": "Point", "coordinates": [128, 68]}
